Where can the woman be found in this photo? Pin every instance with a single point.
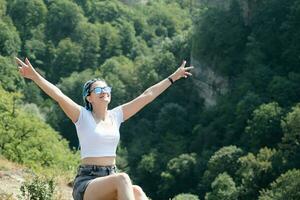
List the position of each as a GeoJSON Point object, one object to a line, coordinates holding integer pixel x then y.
{"type": "Point", "coordinates": [98, 133]}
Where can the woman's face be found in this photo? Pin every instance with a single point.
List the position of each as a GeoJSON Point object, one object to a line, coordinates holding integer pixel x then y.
{"type": "Point", "coordinates": [96, 98]}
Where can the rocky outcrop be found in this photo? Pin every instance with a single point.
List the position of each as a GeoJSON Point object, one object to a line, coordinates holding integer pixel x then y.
{"type": "Point", "coordinates": [210, 84]}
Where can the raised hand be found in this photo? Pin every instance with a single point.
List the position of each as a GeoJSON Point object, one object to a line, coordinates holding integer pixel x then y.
{"type": "Point", "coordinates": [25, 69]}
{"type": "Point", "coordinates": [181, 72]}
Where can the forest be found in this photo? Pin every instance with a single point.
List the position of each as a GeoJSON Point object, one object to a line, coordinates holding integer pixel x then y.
{"type": "Point", "coordinates": [245, 146]}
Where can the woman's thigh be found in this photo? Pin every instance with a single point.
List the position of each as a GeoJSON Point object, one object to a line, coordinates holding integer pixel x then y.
{"type": "Point", "coordinates": [102, 188]}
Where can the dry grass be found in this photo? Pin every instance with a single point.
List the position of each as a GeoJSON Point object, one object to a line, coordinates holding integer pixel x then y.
{"type": "Point", "coordinates": [12, 175]}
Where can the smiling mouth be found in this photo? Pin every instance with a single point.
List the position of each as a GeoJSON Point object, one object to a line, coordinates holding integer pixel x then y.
{"type": "Point", "coordinates": [104, 96]}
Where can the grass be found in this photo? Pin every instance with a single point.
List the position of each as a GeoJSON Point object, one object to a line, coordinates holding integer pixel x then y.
{"type": "Point", "coordinates": [62, 178]}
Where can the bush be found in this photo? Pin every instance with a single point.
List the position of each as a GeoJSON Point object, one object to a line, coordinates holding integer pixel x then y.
{"type": "Point", "coordinates": [38, 189]}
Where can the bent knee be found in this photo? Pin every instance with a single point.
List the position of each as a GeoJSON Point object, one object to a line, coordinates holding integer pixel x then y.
{"type": "Point", "coordinates": [138, 191]}
{"type": "Point", "coordinates": [123, 178]}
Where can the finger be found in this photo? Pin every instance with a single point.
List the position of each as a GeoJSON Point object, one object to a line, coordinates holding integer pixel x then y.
{"type": "Point", "coordinates": [27, 62]}
{"type": "Point", "coordinates": [20, 62]}
{"type": "Point", "coordinates": [188, 73]}
{"type": "Point", "coordinates": [21, 71]}
{"type": "Point", "coordinates": [189, 68]}
{"type": "Point", "coordinates": [183, 64]}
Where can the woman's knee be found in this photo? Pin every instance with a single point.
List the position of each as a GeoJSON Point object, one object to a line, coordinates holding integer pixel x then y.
{"type": "Point", "coordinates": [123, 178]}
{"type": "Point", "coordinates": [138, 191]}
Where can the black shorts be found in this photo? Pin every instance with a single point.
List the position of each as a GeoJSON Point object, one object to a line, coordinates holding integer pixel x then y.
{"type": "Point", "coordinates": [85, 174]}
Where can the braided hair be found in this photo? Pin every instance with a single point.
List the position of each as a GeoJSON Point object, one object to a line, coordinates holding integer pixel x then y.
{"type": "Point", "coordinates": [86, 92]}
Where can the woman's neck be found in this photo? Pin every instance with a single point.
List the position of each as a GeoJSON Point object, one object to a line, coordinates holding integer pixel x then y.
{"type": "Point", "coordinates": [100, 113]}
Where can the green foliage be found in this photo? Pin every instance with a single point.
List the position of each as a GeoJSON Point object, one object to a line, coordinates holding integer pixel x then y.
{"type": "Point", "coordinates": [179, 169]}
{"type": "Point", "coordinates": [253, 44]}
{"type": "Point", "coordinates": [62, 19]}
{"type": "Point", "coordinates": [3, 7]}
{"type": "Point", "coordinates": [105, 11]}
{"type": "Point", "coordinates": [223, 187]}
{"type": "Point", "coordinates": [9, 75]}
{"type": "Point", "coordinates": [38, 188]}
{"type": "Point", "coordinates": [175, 125]}
{"type": "Point", "coordinates": [9, 38]}
{"type": "Point", "coordinates": [284, 187]}
{"type": "Point", "coordinates": [128, 40]}
{"type": "Point", "coordinates": [29, 140]}
{"type": "Point", "coordinates": [264, 127]}
{"type": "Point", "coordinates": [290, 141]}
{"type": "Point", "coordinates": [284, 89]}
{"type": "Point", "coordinates": [27, 15]}
{"type": "Point", "coordinates": [220, 42]}
{"type": "Point", "coordinates": [185, 197]}
{"type": "Point", "coordinates": [255, 172]}
{"type": "Point", "coordinates": [110, 41]}
{"type": "Point", "coordinates": [87, 35]}
{"type": "Point", "coordinates": [223, 160]}
{"type": "Point", "coordinates": [67, 59]}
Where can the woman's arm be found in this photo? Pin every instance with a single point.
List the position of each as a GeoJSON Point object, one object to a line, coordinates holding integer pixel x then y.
{"type": "Point", "coordinates": [132, 107]}
{"type": "Point", "coordinates": [71, 109]}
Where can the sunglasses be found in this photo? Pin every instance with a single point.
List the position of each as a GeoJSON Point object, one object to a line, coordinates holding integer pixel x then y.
{"type": "Point", "coordinates": [99, 90]}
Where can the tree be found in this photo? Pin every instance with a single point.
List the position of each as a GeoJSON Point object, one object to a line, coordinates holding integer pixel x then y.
{"type": "Point", "coordinates": [128, 40]}
{"type": "Point", "coordinates": [284, 89]}
{"type": "Point", "coordinates": [87, 35]}
{"type": "Point", "coordinates": [284, 187]}
{"type": "Point", "coordinates": [62, 19]}
{"type": "Point", "coordinates": [68, 58]}
{"type": "Point", "coordinates": [10, 79]}
{"type": "Point", "coordinates": [291, 138]}
{"type": "Point", "coordinates": [9, 38]}
{"type": "Point", "coordinates": [110, 42]}
{"type": "Point", "coordinates": [166, 124]}
{"type": "Point", "coordinates": [185, 197]}
{"type": "Point", "coordinates": [220, 42]}
{"type": "Point", "coordinates": [264, 127]}
{"type": "Point", "coordinates": [223, 160]}
{"type": "Point", "coordinates": [255, 172]}
{"type": "Point", "coordinates": [178, 176]}
{"type": "Point", "coordinates": [106, 11]}
{"type": "Point", "coordinates": [27, 15]}
{"type": "Point", "coordinates": [148, 169]}
{"type": "Point", "coordinates": [289, 35]}
{"type": "Point", "coordinates": [223, 187]}
{"type": "Point", "coordinates": [29, 140]}
{"type": "Point", "coordinates": [3, 7]}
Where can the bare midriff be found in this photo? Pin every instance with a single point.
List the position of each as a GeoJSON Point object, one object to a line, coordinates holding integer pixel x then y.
{"type": "Point", "coordinates": [101, 161]}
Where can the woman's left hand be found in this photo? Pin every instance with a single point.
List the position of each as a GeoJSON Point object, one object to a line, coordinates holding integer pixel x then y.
{"type": "Point", "coordinates": [181, 72]}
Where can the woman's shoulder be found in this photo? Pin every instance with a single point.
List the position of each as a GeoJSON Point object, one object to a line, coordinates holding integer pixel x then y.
{"type": "Point", "coordinates": [117, 112]}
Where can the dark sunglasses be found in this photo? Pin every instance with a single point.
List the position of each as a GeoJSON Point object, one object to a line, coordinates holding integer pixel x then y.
{"type": "Point", "coordinates": [99, 90]}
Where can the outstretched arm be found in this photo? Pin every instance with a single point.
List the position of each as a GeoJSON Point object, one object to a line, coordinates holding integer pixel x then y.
{"type": "Point", "coordinates": [132, 107]}
{"type": "Point", "coordinates": [71, 109]}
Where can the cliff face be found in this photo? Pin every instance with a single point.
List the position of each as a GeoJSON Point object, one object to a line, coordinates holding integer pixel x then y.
{"type": "Point", "coordinates": [210, 85]}
{"type": "Point", "coordinates": [247, 6]}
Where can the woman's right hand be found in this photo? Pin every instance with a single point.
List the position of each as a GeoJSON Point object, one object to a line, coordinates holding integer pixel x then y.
{"type": "Point", "coordinates": [25, 69]}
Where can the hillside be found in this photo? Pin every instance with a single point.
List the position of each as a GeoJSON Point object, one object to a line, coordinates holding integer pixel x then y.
{"type": "Point", "coordinates": [12, 175]}
{"type": "Point", "coordinates": [231, 131]}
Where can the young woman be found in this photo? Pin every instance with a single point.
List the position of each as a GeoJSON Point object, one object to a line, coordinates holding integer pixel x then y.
{"type": "Point", "coordinates": [98, 133]}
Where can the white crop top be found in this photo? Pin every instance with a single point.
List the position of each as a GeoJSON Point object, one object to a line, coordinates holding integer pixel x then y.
{"type": "Point", "coordinates": [96, 140]}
